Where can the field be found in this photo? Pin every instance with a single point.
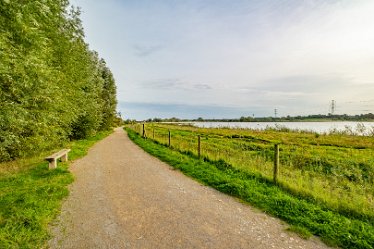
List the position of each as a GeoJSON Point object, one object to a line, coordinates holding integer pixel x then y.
{"type": "Point", "coordinates": [334, 172]}
{"type": "Point", "coordinates": [31, 195]}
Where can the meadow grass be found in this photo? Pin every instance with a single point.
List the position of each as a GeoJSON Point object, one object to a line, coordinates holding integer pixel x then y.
{"type": "Point", "coordinates": [31, 196]}
{"type": "Point", "coordinates": [335, 170]}
{"type": "Point", "coordinates": [325, 185]}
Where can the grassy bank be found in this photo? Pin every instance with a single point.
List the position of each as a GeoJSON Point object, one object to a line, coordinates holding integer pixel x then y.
{"type": "Point", "coordinates": [334, 170]}
{"type": "Point", "coordinates": [31, 196]}
{"type": "Point", "coordinates": [222, 170]}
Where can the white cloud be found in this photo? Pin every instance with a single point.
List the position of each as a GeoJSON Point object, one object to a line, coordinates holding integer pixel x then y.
{"type": "Point", "coordinates": [298, 55]}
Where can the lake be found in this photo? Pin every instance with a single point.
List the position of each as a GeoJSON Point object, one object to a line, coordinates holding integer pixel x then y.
{"type": "Point", "coordinates": [359, 128]}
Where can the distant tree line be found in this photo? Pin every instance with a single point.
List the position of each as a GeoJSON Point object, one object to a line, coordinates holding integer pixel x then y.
{"type": "Point", "coordinates": [318, 117]}
{"type": "Point", "coordinates": [53, 88]}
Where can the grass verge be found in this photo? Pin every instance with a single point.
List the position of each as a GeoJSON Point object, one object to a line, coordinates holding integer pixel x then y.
{"type": "Point", "coordinates": [335, 170]}
{"type": "Point", "coordinates": [31, 198]}
{"type": "Point", "coordinates": [334, 229]}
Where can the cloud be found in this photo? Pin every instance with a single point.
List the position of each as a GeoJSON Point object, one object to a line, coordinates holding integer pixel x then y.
{"type": "Point", "coordinates": [292, 55]}
{"type": "Point", "coordinates": [202, 87]}
{"type": "Point", "coordinates": [143, 110]}
{"type": "Point", "coordinates": [163, 84]}
{"type": "Point", "coordinates": [175, 84]}
{"type": "Point", "coordinates": [143, 50]}
{"type": "Point", "coordinates": [305, 83]}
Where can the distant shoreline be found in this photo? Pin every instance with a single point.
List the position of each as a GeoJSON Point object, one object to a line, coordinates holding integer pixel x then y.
{"type": "Point", "coordinates": [360, 128]}
{"type": "Point", "coordinates": [275, 121]}
{"type": "Point", "coordinates": [310, 118]}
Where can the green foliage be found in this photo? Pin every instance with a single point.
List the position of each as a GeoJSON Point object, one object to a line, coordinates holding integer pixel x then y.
{"type": "Point", "coordinates": [30, 199]}
{"type": "Point", "coordinates": [81, 146]}
{"type": "Point", "coordinates": [319, 117]}
{"type": "Point", "coordinates": [28, 203]}
{"type": "Point", "coordinates": [305, 215]}
{"type": "Point", "coordinates": [334, 170]}
{"type": "Point", "coordinates": [52, 87]}
{"type": "Point", "coordinates": [301, 231]}
{"type": "Point", "coordinates": [108, 95]}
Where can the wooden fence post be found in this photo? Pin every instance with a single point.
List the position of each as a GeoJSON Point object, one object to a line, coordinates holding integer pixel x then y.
{"type": "Point", "coordinates": [143, 130]}
{"type": "Point", "coordinates": [276, 163]}
{"type": "Point", "coordinates": [198, 146]}
{"type": "Point", "coordinates": [169, 138]}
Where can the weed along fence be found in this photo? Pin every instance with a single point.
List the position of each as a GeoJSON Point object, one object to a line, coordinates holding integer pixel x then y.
{"type": "Point", "coordinates": [337, 171]}
{"type": "Point", "coordinates": [195, 139]}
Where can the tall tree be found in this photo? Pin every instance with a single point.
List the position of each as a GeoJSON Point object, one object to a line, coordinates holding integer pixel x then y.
{"type": "Point", "coordinates": [108, 96]}
{"type": "Point", "coordinates": [52, 87]}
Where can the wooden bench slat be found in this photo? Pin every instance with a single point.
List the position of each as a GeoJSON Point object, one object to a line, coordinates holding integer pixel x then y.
{"type": "Point", "coordinates": [52, 159]}
{"type": "Point", "coordinates": [58, 154]}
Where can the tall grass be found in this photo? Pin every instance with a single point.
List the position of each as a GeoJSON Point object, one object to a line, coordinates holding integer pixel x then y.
{"type": "Point", "coordinates": [336, 171]}
{"type": "Point", "coordinates": [304, 215]}
{"type": "Point", "coordinates": [31, 196]}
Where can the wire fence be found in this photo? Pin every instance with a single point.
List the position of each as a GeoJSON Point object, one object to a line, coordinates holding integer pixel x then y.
{"type": "Point", "coordinates": [340, 176]}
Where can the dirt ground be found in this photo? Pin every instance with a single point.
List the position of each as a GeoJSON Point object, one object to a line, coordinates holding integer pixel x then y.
{"type": "Point", "coordinates": [124, 198]}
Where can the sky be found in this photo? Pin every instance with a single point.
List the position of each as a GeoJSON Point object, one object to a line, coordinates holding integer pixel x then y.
{"type": "Point", "coordinates": [233, 58]}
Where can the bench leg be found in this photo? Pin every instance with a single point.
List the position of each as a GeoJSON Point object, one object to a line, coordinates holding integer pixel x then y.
{"type": "Point", "coordinates": [53, 164]}
{"type": "Point", "coordinates": [64, 158]}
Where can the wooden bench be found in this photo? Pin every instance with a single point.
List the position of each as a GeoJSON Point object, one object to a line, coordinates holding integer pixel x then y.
{"type": "Point", "coordinates": [52, 159]}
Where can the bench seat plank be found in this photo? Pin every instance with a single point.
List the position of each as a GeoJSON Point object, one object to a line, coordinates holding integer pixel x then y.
{"type": "Point", "coordinates": [57, 154]}
{"type": "Point", "coordinates": [52, 159]}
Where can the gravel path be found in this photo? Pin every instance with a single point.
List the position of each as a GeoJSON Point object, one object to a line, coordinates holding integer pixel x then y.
{"type": "Point", "coordinates": [125, 198]}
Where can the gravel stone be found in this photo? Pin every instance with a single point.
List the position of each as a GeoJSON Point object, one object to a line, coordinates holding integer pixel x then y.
{"type": "Point", "coordinates": [124, 198]}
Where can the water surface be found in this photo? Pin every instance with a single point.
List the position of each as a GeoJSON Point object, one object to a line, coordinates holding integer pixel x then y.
{"type": "Point", "coordinates": [359, 128]}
